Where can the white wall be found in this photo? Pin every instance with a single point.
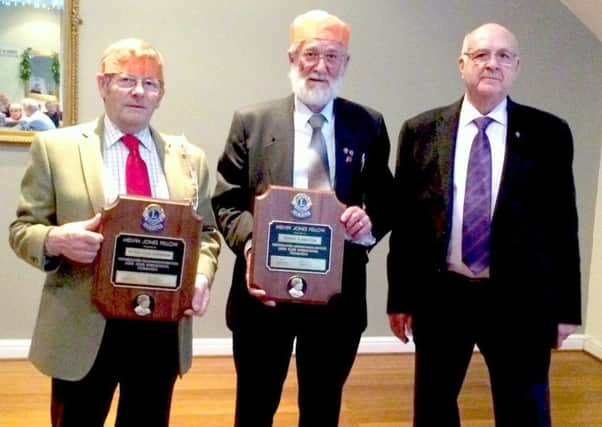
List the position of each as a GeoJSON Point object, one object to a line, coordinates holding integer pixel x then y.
{"type": "Point", "coordinates": [223, 55]}
{"type": "Point", "coordinates": [594, 308]}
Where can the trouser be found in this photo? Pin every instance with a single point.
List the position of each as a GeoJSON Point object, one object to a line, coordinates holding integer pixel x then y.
{"type": "Point", "coordinates": [325, 353]}
{"type": "Point", "coordinates": [460, 314]}
{"type": "Point", "coordinates": [140, 356]}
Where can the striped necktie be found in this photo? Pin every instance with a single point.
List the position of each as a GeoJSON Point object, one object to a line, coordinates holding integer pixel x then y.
{"type": "Point", "coordinates": [318, 169]}
{"type": "Point", "coordinates": [476, 222]}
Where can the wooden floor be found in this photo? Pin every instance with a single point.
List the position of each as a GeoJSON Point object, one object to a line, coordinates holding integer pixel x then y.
{"type": "Point", "coordinates": [378, 394]}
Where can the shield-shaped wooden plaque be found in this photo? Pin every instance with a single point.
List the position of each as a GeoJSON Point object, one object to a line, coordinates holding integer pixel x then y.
{"type": "Point", "coordinates": [146, 268]}
{"type": "Point", "coordinates": [298, 242]}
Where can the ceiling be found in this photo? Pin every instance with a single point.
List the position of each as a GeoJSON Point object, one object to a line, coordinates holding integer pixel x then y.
{"type": "Point", "coordinates": [589, 12]}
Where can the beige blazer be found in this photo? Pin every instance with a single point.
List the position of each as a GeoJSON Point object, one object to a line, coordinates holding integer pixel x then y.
{"type": "Point", "coordinates": [63, 183]}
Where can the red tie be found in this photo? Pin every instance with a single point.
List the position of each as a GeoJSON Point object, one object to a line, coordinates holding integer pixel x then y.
{"type": "Point", "coordinates": [136, 173]}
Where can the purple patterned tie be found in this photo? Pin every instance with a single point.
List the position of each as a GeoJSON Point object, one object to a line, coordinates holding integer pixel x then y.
{"type": "Point", "coordinates": [477, 201]}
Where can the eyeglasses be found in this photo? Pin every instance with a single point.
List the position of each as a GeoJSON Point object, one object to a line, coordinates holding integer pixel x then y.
{"type": "Point", "coordinates": [504, 58]}
{"type": "Point", "coordinates": [312, 57]}
{"type": "Point", "coordinates": [150, 85]}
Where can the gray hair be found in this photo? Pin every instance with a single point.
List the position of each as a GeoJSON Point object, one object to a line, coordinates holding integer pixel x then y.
{"type": "Point", "coordinates": [30, 104]}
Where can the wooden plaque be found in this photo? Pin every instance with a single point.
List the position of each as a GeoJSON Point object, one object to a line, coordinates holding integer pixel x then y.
{"type": "Point", "coordinates": [147, 264]}
{"type": "Point", "coordinates": [298, 244]}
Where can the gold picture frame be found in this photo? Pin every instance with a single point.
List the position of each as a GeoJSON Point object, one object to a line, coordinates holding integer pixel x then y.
{"type": "Point", "coordinates": [69, 75]}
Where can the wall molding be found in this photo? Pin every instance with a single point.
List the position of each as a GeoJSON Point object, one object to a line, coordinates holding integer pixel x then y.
{"type": "Point", "coordinates": [18, 348]}
{"type": "Point", "coordinates": [223, 346]}
{"type": "Point", "coordinates": [14, 349]}
{"type": "Point", "coordinates": [593, 346]}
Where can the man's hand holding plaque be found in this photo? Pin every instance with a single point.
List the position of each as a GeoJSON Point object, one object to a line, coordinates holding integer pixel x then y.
{"type": "Point", "coordinates": [200, 298]}
{"type": "Point", "coordinates": [79, 240]}
{"type": "Point", "coordinates": [298, 242]}
{"type": "Point", "coordinates": [253, 288]}
{"type": "Point", "coordinates": [357, 223]}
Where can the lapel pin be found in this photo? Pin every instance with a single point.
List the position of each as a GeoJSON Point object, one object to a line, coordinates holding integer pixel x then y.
{"type": "Point", "coordinates": [348, 155]}
{"type": "Point", "coordinates": [517, 133]}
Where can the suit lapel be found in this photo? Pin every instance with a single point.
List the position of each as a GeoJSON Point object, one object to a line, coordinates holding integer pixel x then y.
{"type": "Point", "coordinates": [446, 132]}
{"type": "Point", "coordinates": [177, 166]}
{"type": "Point", "coordinates": [512, 158]}
{"type": "Point", "coordinates": [176, 161]}
{"type": "Point", "coordinates": [346, 148]}
{"type": "Point", "coordinates": [90, 150]}
{"type": "Point", "coordinates": [445, 141]}
{"type": "Point", "coordinates": [279, 144]}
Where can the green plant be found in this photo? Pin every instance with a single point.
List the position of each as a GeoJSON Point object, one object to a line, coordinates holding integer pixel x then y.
{"type": "Point", "coordinates": [25, 65]}
{"type": "Point", "coordinates": [55, 69]}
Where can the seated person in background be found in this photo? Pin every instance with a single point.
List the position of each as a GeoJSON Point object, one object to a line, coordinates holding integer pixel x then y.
{"type": "Point", "coordinates": [15, 116]}
{"type": "Point", "coordinates": [4, 103]}
{"type": "Point", "coordinates": [15, 112]}
{"type": "Point", "coordinates": [35, 119]}
{"type": "Point", "coordinates": [53, 110]}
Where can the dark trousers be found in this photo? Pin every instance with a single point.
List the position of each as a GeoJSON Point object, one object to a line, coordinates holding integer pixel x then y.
{"type": "Point", "coordinates": [262, 350]}
{"type": "Point", "coordinates": [140, 356]}
{"type": "Point", "coordinates": [459, 314]}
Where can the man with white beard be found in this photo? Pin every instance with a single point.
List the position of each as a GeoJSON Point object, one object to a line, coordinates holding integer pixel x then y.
{"type": "Point", "coordinates": [271, 144]}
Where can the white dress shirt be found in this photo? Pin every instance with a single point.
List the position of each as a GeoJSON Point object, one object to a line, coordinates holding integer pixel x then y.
{"type": "Point", "coordinates": [303, 132]}
{"type": "Point", "coordinates": [467, 130]}
{"type": "Point", "coordinates": [115, 154]}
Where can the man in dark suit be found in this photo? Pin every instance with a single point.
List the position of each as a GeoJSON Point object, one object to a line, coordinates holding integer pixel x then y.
{"type": "Point", "coordinates": [485, 248]}
{"type": "Point", "coordinates": [269, 144]}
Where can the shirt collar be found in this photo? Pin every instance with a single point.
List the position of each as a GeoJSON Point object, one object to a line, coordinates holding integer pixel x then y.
{"type": "Point", "coordinates": [468, 113]}
{"type": "Point", "coordinates": [305, 113]}
{"type": "Point", "coordinates": [114, 134]}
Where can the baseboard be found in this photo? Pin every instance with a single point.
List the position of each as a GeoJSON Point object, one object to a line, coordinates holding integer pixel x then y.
{"type": "Point", "coordinates": [18, 349]}
{"type": "Point", "coordinates": [212, 346]}
{"type": "Point", "coordinates": [574, 342]}
{"type": "Point", "coordinates": [384, 345]}
{"type": "Point", "coordinates": [223, 346]}
{"type": "Point", "coordinates": [593, 347]}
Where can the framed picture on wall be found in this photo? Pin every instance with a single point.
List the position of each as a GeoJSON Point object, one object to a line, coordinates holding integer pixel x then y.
{"type": "Point", "coordinates": [43, 78]}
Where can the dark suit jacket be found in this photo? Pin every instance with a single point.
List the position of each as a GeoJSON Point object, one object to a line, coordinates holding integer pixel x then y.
{"type": "Point", "coordinates": [259, 153]}
{"type": "Point", "coordinates": [534, 246]}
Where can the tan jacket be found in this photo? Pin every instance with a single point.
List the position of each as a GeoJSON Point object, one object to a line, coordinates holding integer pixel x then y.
{"type": "Point", "coordinates": [63, 183]}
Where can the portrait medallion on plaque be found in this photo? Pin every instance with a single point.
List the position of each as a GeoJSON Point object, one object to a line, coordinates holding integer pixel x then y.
{"type": "Point", "coordinates": [298, 243]}
{"type": "Point", "coordinates": [146, 267]}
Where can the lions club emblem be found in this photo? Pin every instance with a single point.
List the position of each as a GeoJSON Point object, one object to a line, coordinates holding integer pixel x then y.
{"type": "Point", "coordinates": [301, 206]}
{"type": "Point", "coordinates": [153, 218]}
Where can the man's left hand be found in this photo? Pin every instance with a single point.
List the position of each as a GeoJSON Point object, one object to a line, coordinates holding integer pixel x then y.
{"type": "Point", "coordinates": [357, 223]}
{"type": "Point", "coordinates": [200, 299]}
{"type": "Point", "coordinates": [564, 330]}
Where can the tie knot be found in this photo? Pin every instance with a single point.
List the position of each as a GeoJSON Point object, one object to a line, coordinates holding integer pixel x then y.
{"type": "Point", "coordinates": [316, 121]}
{"type": "Point", "coordinates": [482, 123]}
{"type": "Point", "coordinates": [131, 142]}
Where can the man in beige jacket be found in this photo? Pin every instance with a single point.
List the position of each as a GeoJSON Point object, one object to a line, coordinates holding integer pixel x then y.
{"type": "Point", "coordinates": [72, 173]}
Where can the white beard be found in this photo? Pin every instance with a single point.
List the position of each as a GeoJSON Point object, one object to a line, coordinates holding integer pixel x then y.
{"type": "Point", "coordinates": [314, 96]}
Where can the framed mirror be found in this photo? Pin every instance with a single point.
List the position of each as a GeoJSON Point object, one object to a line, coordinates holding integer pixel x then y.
{"type": "Point", "coordinates": [51, 73]}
